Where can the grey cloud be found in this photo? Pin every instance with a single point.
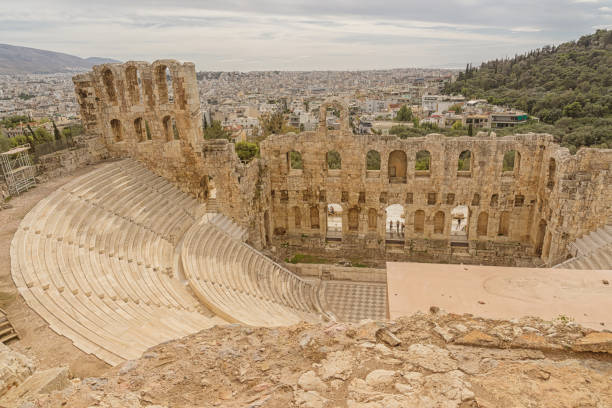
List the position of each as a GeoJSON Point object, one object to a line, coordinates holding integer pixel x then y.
{"type": "Point", "coordinates": [272, 34]}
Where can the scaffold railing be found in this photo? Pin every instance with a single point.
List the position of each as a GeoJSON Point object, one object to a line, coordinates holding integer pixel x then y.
{"type": "Point", "coordinates": [17, 169]}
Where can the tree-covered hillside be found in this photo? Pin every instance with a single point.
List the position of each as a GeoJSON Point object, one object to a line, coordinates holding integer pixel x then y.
{"type": "Point", "coordinates": [568, 86]}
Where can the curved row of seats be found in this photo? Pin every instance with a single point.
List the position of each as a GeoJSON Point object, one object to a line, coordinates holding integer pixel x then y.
{"type": "Point", "coordinates": [593, 251]}
{"type": "Point", "coordinates": [240, 284]}
{"type": "Point", "coordinates": [594, 240]}
{"type": "Point", "coordinates": [599, 259]}
{"type": "Point", "coordinates": [95, 260]}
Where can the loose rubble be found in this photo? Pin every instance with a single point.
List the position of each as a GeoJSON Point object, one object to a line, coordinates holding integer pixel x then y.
{"type": "Point", "coordinates": [426, 360]}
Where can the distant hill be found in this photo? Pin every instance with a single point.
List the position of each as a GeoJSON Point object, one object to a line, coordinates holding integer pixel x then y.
{"type": "Point", "coordinates": [20, 60]}
{"type": "Point", "coordinates": [568, 86]}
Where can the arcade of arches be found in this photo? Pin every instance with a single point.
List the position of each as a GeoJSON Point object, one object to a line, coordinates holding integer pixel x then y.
{"type": "Point", "coordinates": [480, 199]}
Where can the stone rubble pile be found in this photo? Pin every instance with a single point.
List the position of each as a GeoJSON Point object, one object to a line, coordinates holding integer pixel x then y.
{"type": "Point", "coordinates": [426, 360]}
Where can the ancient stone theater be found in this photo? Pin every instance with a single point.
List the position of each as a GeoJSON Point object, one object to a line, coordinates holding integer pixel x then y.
{"type": "Point", "coordinates": [170, 233]}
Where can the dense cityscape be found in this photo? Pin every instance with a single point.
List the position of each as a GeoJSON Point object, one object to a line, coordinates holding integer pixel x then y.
{"type": "Point", "coordinates": [242, 103]}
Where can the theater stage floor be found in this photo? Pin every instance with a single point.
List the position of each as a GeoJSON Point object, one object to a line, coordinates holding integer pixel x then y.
{"type": "Point", "coordinates": [501, 292]}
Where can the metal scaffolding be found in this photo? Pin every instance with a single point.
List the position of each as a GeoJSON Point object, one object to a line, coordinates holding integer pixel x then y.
{"type": "Point", "coordinates": [18, 169]}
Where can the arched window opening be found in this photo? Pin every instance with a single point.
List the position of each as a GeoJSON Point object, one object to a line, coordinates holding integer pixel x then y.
{"type": "Point", "coordinates": [175, 132]}
{"type": "Point", "coordinates": [459, 221]}
{"type": "Point", "coordinates": [372, 218]}
{"type": "Point", "coordinates": [483, 224]}
{"type": "Point", "coordinates": [422, 161]}
{"type": "Point", "coordinates": [373, 160]}
{"type": "Point", "coordinates": [109, 85]}
{"type": "Point", "coordinates": [552, 169]}
{"type": "Point", "coordinates": [512, 161]}
{"type": "Point", "coordinates": [353, 219]}
{"type": "Point", "coordinates": [314, 217]}
{"type": "Point", "coordinates": [330, 118]}
{"type": "Point", "coordinates": [419, 221]}
{"type": "Point", "coordinates": [465, 161]}
{"type": "Point", "coordinates": [167, 125]}
{"type": "Point", "coordinates": [297, 217]}
{"type": "Point", "coordinates": [169, 85]}
{"type": "Point", "coordinates": [397, 167]}
{"type": "Point", "coordinates": [504, 224]}
{"type": "Point", "coordinates": [148, 130]}
{"type": "Point", "coordinates": [494, 200]}
{"type": "Point", "coordinates": [295, 160]}
{"type": "Point", "coordinates": [439, 222]}
{"type": "Point", "coordinates": [334, 222]}
{"type": "Point", "coordinates": [161, 82]}
{"type": "Point", "coordinates": [138, 129]}
{"type": "Point", "coordinates": [132, 79]}
{"type": "Point", "coordinates": [117, 130]}
{"type": "Point", "coordinates": [395, 223]}
{"type": "Point", "coordinates": [334, 161]}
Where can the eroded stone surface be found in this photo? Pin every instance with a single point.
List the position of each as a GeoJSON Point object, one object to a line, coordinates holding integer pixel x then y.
{"type": "Point", "coordinates": [335, 369]}
{"type": "Point", "coordinates": [14, 368]}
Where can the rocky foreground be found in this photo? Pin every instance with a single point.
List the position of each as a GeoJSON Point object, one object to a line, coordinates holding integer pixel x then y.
{"type": "Point", "coordinates": [427, 360]}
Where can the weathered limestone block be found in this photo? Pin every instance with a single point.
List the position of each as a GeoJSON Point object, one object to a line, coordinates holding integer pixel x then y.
{"type": "Point", "coordinates": [14, 368]}
{"type": "Point", "coordinates": [598, 342]}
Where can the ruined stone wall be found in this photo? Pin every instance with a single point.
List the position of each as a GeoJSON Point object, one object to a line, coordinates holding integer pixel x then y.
{"type": "Point", "coordinates": [576, 200]}
{"type": "Point", "coordinates": [151, 112]}
{"type": "Point", "coordinates": [88, 150]}
{"type": "Point", "coordinates": [523, 208]}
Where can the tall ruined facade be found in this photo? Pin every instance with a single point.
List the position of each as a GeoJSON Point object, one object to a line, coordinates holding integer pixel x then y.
{"type": "Point", "coordinates": [467, 199]}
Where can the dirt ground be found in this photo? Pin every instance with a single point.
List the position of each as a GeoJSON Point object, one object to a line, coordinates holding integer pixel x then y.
{"type": "Point", "coordinates": [502, 292]}
{"type": "Point", "coordinates": [37, 340]}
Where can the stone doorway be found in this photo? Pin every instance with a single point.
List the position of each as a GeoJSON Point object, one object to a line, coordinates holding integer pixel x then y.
{"type": "Point", "coordinates": [395, 224]}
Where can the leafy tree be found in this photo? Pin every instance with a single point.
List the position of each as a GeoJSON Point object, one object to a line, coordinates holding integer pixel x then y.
{"type": "Point", "coordinates": [216, 131]}
{"type": "Point", "coordinates": [272, 123]}
{"type": "Point", "coordinates": [457, 125]}
{"type": "Point", "coordinates": [246, 150]}
{"type": "Point", "coordinates": [72, 131]}
{"type": "Point", "coordinates": [275, 123]}
{"type": "Point", "coordinates": [11, 121]}
{"type": "Point", "coordinates": [5, 143]}
{"type": "Point", "coordinates": [572, 80]}
{"type": "Point", "coordinates": [457, 108]}
{"type": "Point", "coordinates": [404, 114]}
{"type": "Point", "coordinates": [41, 135]}
{"type": "Point", "coordinates": [573, 110]}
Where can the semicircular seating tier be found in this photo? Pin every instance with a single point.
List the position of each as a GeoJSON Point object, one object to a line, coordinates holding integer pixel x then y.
{"type": "Point", "coordinates": [96, 260]}
{"type": "Point", "coordinates": [592, 251]}
{"type": "Point", "coordinates": [239, 283]}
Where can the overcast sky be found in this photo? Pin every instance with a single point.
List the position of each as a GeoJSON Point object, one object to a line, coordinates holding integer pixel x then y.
{"type": "Point", "coordinates": [243, 35]}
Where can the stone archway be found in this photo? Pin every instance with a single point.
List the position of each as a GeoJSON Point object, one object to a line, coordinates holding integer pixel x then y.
{"type": "Point", "coordinates": [334, 222]}
{"type": "Point", "coordinates": [342, 108]}
{"type": "Point", "coordinates": [460, 221]}
{"type": "Point", "coordinates": [395, 223]}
